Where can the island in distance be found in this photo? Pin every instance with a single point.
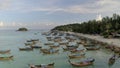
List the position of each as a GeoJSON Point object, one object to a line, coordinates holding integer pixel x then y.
{"type": "Point", "coordinates": [22, 29]}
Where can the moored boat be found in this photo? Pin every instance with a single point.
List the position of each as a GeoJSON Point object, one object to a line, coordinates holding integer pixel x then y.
{"type": "Point", "coordinates": [51, 65]}
{"type": "Point", "coordinates": [35, 46]}
{"type": "Point", "coordinates": [26, 49]}
{"type": "Point", "coordinates": [76, 56]}
{"type": "Point", "coordinates": [28, 44]}
{"type": "Point", "coordinates": [6, 58]}
{"type": "Point", "coordinates": [53, 46]}
{"type": "Point", "coordinates": [49, 51]}
{"type": "Point", "coordinates": [112, 60]}
{"type": "Point", "coordinates": [82, 63]}
{"type": "Point", "coordinates": [4, 51]}
{"type": "Point", "coordinates": [93, 48]}
{"type": "Point", "coordinates": [75, 50]}
{"type": "Point", "coordinates": [48, 43]}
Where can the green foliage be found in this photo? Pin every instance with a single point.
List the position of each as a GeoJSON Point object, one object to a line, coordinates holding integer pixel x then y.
{"type": "Point", "coordinates": [22, 29]}
{"type": "Point", "coordinates": [106, 26]}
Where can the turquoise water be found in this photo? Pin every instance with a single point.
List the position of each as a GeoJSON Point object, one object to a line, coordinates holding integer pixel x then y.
{"type": "Point", "coordinates": [10, 39]}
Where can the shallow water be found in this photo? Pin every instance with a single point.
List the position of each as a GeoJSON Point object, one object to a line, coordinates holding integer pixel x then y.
{"type": "Point", "coordinates": [10, 39]}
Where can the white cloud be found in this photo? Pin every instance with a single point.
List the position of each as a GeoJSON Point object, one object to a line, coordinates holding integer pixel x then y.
{"type": "Point", "coordinates": [99, 6]}
{"type": "Point", "coordinates": [40, 25]}
{"type": "Point", "coordinates": [5, 4]}
{"type": "Point", "coordinates": [1, 24]}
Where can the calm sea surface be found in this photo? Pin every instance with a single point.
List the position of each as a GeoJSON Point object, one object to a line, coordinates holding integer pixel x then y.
{"type": "Point", "coordinates": [10, 39]}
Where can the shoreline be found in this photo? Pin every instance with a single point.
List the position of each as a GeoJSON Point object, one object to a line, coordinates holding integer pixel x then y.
{"type": "Point", "coordinates": [112, 41]}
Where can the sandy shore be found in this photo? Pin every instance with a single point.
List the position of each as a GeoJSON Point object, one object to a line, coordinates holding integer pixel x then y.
{"type": "Point", "coordinates": [113, 41]}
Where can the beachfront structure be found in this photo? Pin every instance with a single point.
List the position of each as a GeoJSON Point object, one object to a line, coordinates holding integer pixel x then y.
{"type": "Point", "coordinates": [99, 17]}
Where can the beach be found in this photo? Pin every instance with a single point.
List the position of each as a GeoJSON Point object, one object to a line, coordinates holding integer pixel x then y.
{"type": "Point", "coordinates": [110, 41]}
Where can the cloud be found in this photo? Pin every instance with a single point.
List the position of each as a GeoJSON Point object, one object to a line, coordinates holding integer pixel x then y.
{"type": "Point", "coordinates": [99, 6]}
{"type": "Point", "coordinates": [1, 24]}
{"type": "Point", "coordinates": [5, 4]}
{"type": "Point", "coordinates": [40, 25]}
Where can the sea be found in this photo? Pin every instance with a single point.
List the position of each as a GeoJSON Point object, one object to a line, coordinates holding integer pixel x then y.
{"type": "Point", "coordinates": [13, 40]}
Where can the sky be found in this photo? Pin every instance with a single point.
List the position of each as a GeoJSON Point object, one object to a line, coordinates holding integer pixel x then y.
{"type": "Point", "coordinates": [46, 14]}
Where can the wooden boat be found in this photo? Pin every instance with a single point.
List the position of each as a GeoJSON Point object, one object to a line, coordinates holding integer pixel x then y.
{"type": "Point", "coordinates": [49, 38]}
{"type": "Point", "coordinates": [49, 44]}
{"type": "Point", "coordinates": [29, 41]}
{"type": "Point", "coordinates": [6, 58]}
{"type": "Point", "coordinates": [72, 47]}
{"type": "Point", "coordinates": [57, 40]}
{"type": "Point", "coordinates": [63, 43]}
{"type": "Point", "coordinates": [75, 50]}
{"type": "Point", "coordinates": [36, 47]}
{"type": "Point", "coordinates": [53, 46]}
{"type": "Point", "coordinates": [76, 56]}
{"type": "Point", "coordinates": [89, 45]}
{"type": "Point", "coordinates": [34, 39]}
{"type": "Point", "coordinates": [116, 49]}
{"type": "Point", "coordinates": [68, 48]}
{"type": "Point", "coordinates": [42, 65]}
{"type": "Point", "coordinates": [65, 49]}
{"type": "Point", "coordinates": [112, 60]}
{"type": "Point", "coordinates": [4, 51]}
{"type": "Point", "coordinates": [82, 63]}
{"type": "Point", "coordinates": [93, 48]}
{"type": "Point", "coordinates": [28, 44]}
{"type": "Point", "coordinates": [48, 51]}
{"type": "Point", "coordinates": [26, 49]}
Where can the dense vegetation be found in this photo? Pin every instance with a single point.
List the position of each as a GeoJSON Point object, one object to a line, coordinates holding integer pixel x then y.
{"type": "Point", "coordinates": [108, 26]}
{"type": "Point", "coordinates": [22, 29]}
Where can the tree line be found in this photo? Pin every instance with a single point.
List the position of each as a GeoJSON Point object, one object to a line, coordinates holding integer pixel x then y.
{"type": "Point", "coordinates": [108, 26]}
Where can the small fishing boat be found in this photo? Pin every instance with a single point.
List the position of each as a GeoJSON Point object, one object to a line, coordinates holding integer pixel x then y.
{"type": "Point", "coordinates": [51, 65]}
{"type": "Point", "coordinates": [68, 48]}
{"type": "Point", "coordinates": [49, 38]}
{"type": "Point", "coordinates": [112, 60]}
{"type": "Point", "coordinates": [4, 51]}
{"type": "Point", "coordinates": [6, 58]}
{"type": "Point", "coordinates": [76, 56]}
{"type": "Point", "coordinates": [32, 40]}
{"type": "Point", "coordinates": [71, 47]}
{"type": "Point", "coordinates": [82, 63]}
{"type": "Point", "coordinates": [54, 46]}
{"type": "Point", "coordinates": [36, 47]}
{"type": "Point", "coordinates": [49, 44]}
{"type": "Point", "coordinates": [63, 43]}
{"type": "Point", "coordinates": [116, 50]}
{"type": "Point", "coordinates": [93, 48]}
{"type": "Point", "coordinates": [65, 49]}
{"type": "Point", "coordinates": [26, 49]}
{"type": "Point", "coordinates": [28, 44]}
{"type": "Point", "coordinates": [75, 50]}
{"type": "Point", "coordinates": [49, 51]}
